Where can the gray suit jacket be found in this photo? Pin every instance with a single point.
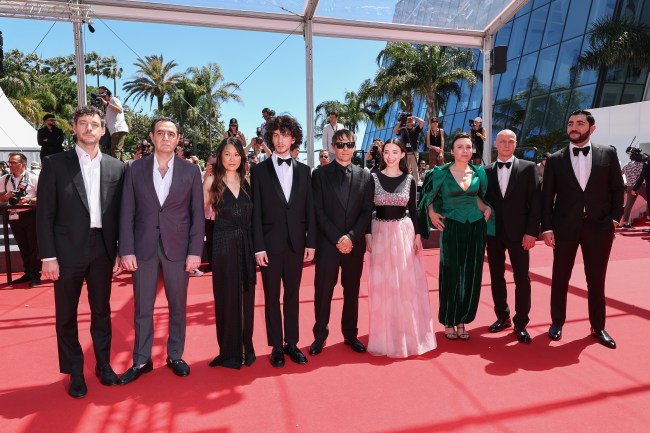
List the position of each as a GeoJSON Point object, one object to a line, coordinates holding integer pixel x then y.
{"type": "Point", "coordinates": [178, 223]}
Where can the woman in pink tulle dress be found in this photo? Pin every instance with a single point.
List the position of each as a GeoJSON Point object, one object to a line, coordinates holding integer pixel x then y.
{"type": "Point", "coordinates": [401, 323]}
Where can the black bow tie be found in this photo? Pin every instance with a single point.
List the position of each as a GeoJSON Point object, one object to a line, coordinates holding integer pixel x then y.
{"type": "Point", "coordinates": [287, 161]}
{"type": "Point", "coordinates": [584, 150]}
{"type": "Point", "coordinates": [506, 164]}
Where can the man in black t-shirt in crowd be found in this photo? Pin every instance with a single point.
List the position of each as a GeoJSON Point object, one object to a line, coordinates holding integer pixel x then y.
{"type": "Point", "coordinates": [49, 137]}
{"type": "Point", "coordinates": [409, 133]}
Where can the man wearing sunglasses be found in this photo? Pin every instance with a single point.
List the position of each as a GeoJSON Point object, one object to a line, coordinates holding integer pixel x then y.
{"type": "Point", "coordinates": [409, 132]}
{"type": "Point", "coordinates": [343, 195]}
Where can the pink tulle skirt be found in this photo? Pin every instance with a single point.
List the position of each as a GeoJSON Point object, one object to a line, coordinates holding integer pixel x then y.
{"type": "Point", "coordinates": [401, 323]}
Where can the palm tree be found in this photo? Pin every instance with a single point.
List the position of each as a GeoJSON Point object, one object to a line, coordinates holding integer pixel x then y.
{"type": "Point", "coordinates": [352, 112]}
{"type": "Point", "coordinates": [112, 70]}
{"type": "Point", "coordinates": [95, 65]}
{"type": "Point", "coordinates": [428, 70]}
{"type": "Point", "coordinates": [154, 80]}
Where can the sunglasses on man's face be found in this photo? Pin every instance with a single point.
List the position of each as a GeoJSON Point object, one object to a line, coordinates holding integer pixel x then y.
{"type": "Point", "coordinates": [434, 120]}
{"type": "Point", "coordinates": [342, 144]}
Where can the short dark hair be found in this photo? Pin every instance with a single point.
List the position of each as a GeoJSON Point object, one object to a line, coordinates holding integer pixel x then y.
{"type": "Point", "coordinates": [49, 116]}
{"type": "Point", "coordinates": [284, 123]}
{"type": "Point", "coordinates": [22, 156]}
{"type": "Point", "coordinates": [334, 112]}
{"type": "Point", "coordinates": [88, 110]}
{"type": "Point", "coordinates": [459, 136]}
{"type": "Point", "coordinates": [590, 117]}
{"type": "Point", "coordinates": [108, 92]}
{"type": "Point", "coordinates": [157, 120]}
{"type": "Point", "coordinates": [343, 133]}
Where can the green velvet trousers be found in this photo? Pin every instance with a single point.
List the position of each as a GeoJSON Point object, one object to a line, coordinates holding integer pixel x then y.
{"type": "Point", "coordinates": [462, 249]}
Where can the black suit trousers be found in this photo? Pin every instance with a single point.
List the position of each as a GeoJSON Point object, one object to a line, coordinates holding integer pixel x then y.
{"type": "Point", "coordinates": [95, 267]}
{"type": "Point", "coordinates": [520, 260]}
{"type": "Point", "coordinates": [284, 269]}
{"type": "Point", "coordinates": [596, 245]}
{"type": "Point", "coordinates": [326, 276]}
{"type": "Point", "coordinates": [24, 230]}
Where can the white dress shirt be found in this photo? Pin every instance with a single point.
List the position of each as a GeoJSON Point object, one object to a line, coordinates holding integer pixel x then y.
{"type": "Point", "coordinates": [91, 172]}
{"type": "Point", "coordinates": [581, 164]}
{"type": "Point", "coordinates": [162, 184]}
{"type": "Point", "coordinates": [285, 174]}
{"type": "Point", "coordinates": [328, 133]}
{"type": "Point", "coordinates": [504, 175]}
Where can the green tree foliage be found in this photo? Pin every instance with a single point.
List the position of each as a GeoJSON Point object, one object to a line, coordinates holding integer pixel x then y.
{"type": "Point", "coordinates": [154, 80]}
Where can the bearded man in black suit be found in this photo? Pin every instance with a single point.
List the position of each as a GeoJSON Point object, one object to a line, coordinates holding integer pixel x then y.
{"type": "Point", "coordinates": [582, 204]}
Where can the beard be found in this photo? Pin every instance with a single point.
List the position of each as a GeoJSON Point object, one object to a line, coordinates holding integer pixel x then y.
{"type": "Point", "coordinates": [581, 138]}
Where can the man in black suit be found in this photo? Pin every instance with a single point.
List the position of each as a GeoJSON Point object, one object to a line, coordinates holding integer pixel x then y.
{"type": "Point", "coordinates": [513, 193]}
{"type": "Point", "coordinates": [582, 204]}
{"type": "Point", "coordinates": [343, 195]}
{"type": "Point", "coordinates": [77, 226]}
{"type": "Point", "coordinates": [284, 233]}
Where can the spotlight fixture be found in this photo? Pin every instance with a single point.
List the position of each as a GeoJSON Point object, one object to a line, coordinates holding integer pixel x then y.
{"type": "Point", "coordinates": [90, 26]}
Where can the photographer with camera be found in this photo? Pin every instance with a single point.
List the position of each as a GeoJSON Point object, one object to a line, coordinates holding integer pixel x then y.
{"type": "Point", "coordinates": [115, 122]}
{"type": "Point", "coordinates": [477, 134]}
{"type": "Point", "coordinates": [257, 147]}
{"type": "Point", "coordinates": [19, 187]}
{"type": "Point", "coordinates": [233, 131]}
{"type": "Point", "coordinates": [409, 133]}
{"type": "Point", "coordinates": [631, 173]}
{"type": "Point", "coordinates": [374, 154]}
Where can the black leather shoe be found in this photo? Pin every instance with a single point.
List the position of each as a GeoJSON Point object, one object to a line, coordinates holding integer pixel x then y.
{"type": "Point", "coordinates": [295, 354]}
{"type": "Point", "coordinates": [106, 375]}
{"type": "Point", "coordinates": [500, 325]}
{"type": "Point", "coordinates": [277, 357]}
{"type": "Point", "coordinates": [555, 332]}
{"type": "Point", "coordinates": [34, 282]}
{"type": "Point", "coordinates": [78, 386]}
{"type": "Point", "coordinates": [24, 279]}
{"type": "Point", "coordinates": [179, 366]}
{"type": "Point", "coordinates": [249, 358]}
{"type": "Point", "coordinates": [134, 372]}
{"type": "Point", "coordinates": [316, 347]}
{"type": "Point", "coordinates": [355, 345]}
{"type": "Point", "coordinates": [604, 338]}
{"type": "Point", "coordinates": [523, 336]}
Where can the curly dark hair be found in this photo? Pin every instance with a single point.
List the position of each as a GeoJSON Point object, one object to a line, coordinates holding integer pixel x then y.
{"type": "Point", "coordinates": [402, 162]}
{"type": "Point", "coordinates": [218, 185]}
{"type": "Point", "coordinates": [89, 110]}
{"type": "Point", "coordinates": [284, 123]}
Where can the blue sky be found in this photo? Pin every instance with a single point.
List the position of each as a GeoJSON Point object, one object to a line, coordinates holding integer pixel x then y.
{"type": "Point", "coordinates": [339, 64]}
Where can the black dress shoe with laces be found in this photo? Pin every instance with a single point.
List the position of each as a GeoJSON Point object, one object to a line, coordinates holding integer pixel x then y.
{"type": "Point", "coordinates": [135, 372]}
{"type": "Point", "coordinates": [316, 347]}
{"type": "Point", "coordinates": [295, 354]}
{"type": "Point", "coordinates": [179, 366]}
{"type": "Point", "coordinates": [277, 357]}
{"type": "Point", "coordinates": [555, 332]}
{"type": "Point", "coordinates": [500, 325]}
{"type": "Point", "coordinates": [604, 338]}
{"type": "Point", "coordinates": [355, 345]}
{"type": "Point", "coordinates": [106, 375]}
{"type": "Point", "coordinates": [523, 336]}
{"type": "Point", "coordinates": [78, 386]}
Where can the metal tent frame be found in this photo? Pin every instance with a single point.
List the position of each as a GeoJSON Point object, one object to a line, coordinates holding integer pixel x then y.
{"type": "Point", "coordinates": [309, 23]}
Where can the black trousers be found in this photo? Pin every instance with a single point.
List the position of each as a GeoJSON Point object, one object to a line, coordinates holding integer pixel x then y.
{"type": "Point", "coordinates": [209, 232]}
{"type": "Point", "coordinates": [326, 276]}
{"type": "Point", "coordinates": [596, 245]}
{"type": "Point", "coordinates": [24, 230]}
{"type": "Point", "coordinates": [283, 269]}
{"type": "Point", "coordinates": [520, 260]}
{"type": "Point", "coordinates": [95, 268]}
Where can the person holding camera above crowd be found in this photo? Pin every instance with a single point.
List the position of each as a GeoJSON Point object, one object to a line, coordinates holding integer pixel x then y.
{"type": "Point", "coordinates": [375, 151]}
{"type": "Point", "coordinates": [49, 137]}
{"type": "Point", "coordinates": [115, 122]}
{"type": "Point", "coordinates": [19, 187]}
{"type": "Point", "coordinates": [233, 131]}
{"type": "Point", "coordinates": [477, 134]}
{"type": "Point", "coordinates": [409, 133]}
{"type": "Point", "coordinates": [257, 147]}
{"type": "Point", "coordinates": [229, 197]}
{"type": "Point", "coordinates": [453, 203]}
{"type": "Point", "coordinates": [436, 144]}
{"type": "Point", "coordinates": [401, 324]}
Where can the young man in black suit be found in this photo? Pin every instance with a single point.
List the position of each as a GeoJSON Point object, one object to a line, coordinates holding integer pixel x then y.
{"type": "Point", "coordinates": [513, 193]}
{"type": "Point", "coordinates": [284, 233]}
{"type": "Point", "coordinates": [582, 204]}
{"type": "Point", "coordinates": [77, 218]}
{"type": "Point", "coordinates": [343, 195]}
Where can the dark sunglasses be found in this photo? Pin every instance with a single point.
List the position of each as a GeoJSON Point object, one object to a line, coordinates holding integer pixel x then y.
{"type": "Point", "coordinates": [342, 144]}
{"type": "Point", "coordinates": [324, 156]}
{"type": "Point", "coordinates": [434, 120]}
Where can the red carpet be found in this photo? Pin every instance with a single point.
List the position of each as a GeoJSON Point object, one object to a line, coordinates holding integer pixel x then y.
{"type": "Point", "coordinates": [489, 384]}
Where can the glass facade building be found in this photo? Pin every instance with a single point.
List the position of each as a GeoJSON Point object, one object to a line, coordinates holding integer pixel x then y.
{"type": "Point", "coordinates": [538, 90]}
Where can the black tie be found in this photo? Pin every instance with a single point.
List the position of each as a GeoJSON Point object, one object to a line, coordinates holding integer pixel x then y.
{"type": "Point", "coordinates": [288, 161]}
{"type": "Point", "coordinates": [506, 164]}
{"type": "Point", "coordinates": [345, 183]}
{"type": "Point", "coordinates": [584, 150]}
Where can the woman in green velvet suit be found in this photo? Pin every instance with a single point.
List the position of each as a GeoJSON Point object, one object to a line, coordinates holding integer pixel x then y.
{"type": "Point", "coordinates": [452, 202]}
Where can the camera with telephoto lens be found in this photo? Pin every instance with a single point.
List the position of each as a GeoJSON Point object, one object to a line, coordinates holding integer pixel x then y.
{"type": "Point", "coordinates": [18, 193]}
{"type": "Point", "coordinates": [403, 117]}
{"type": "Point", "coordinates": [96, 100]}
{"type": "Point", "coordinates": [637, 155]}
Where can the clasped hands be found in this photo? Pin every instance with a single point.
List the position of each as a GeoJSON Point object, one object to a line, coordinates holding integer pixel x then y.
{"type": "Point", "coordinates": [344, 244]}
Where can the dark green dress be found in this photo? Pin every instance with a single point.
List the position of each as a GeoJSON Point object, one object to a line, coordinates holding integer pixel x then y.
{"type": "Point", "coordinates": [462, 242]}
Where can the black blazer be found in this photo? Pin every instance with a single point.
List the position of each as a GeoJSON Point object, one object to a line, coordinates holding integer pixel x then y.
{"type": "Point", "coordinates": [279, 225]}
{"type": "Point", "coordinates": [62, 214]}
{"type": "Point", "coordinates": [519, 212]}
{"type": "Point", "coordinates": [335, 218]}
{"type": "Point", "coordinates": [564, 201]}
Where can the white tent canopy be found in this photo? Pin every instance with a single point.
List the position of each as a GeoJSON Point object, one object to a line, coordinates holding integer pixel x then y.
{"type": "Point", "coordinates": [16, 134]}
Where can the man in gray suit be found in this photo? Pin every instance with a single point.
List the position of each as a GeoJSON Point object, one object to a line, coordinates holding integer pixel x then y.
{"type": "Point", "coordinates": [161, 228]}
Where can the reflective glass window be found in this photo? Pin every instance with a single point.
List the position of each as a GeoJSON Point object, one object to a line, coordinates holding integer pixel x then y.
{"type": "Point", "coordinates": [616, 74]}
{"type": "Point", "coordinates": [567, 58]}
{"type": "Point", "coordinates": [632, 93]}
{"type": "Point", "coordinates": [496, 79]}
{"type": "Point", "coordinates": [582, 98]}
{"type": "Point", "coordinates": [535, 29]}
{"type": "Point", "coordinates": [558, 103]}
{"type": "Point", "coordinates": [517, 37]}
{"type": "Point", "coordinates": [508, 80]}
{"type": "Point", "coordinates": [575, 24]}
{"type": "Point", "coordinates": [458, 124]}
{"type": "Point", "coordinates": [544, 71]}
{"type": "Point", "coordinates": [524, 77]}
{"type": "Point", "coordinates": [534, 116]}
{"type": "Point", "coordinates": [476, 96]}
{"type": "Point", "coordinates": [524, 10]}
{"type": "Point", "coordinates": [600, 8]}
{"type": "Point", "coordinates": [463, 102]}
{"type": "Point", "coordinates": [503, 35]}
{"type": "Point", "coordinates": [586, 76]}
{"type": "Point", "coordinates": [452, 100]}
{"type": "Point", "coordinates": [516, 115]}
{"type": "Point", "coordinates": [555, 23]}
{"type": "Point", "coordinates": [637, 75]}
{"type": "Point", "coordinates": [538, 3]}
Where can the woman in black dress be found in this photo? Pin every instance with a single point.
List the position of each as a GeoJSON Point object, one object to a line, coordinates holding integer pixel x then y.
{"type": "Point", "coordinates": [233, 260]}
